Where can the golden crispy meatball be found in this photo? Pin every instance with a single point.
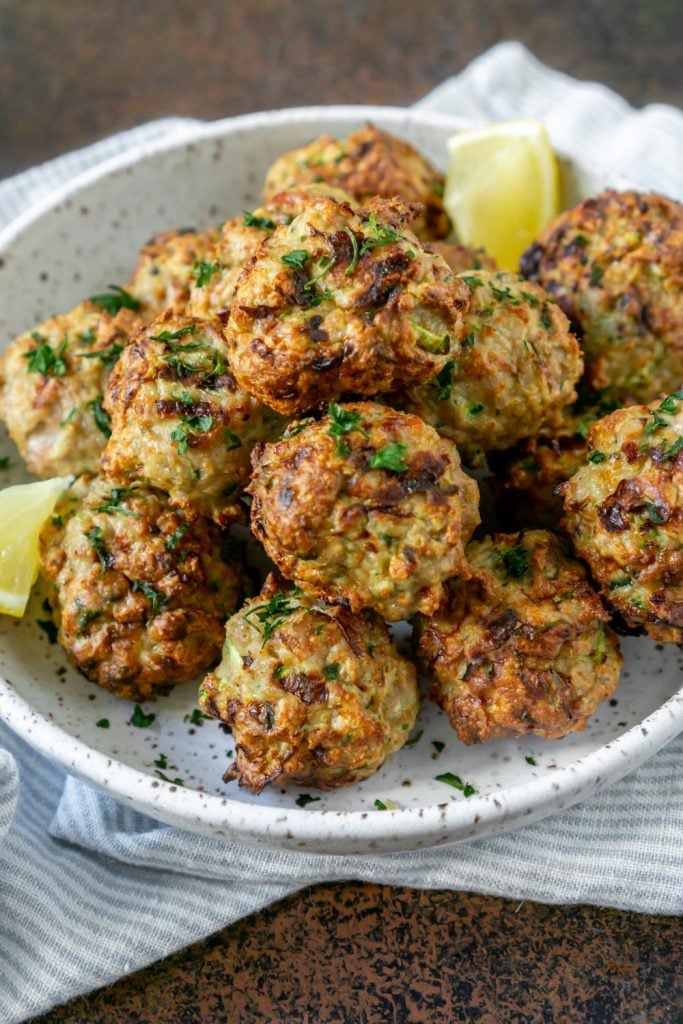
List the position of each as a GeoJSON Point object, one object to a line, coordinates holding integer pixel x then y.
{"type": "Point", "coordinates": [523, 645]}
{"type": "Point", "coordinates": [615, 265]}
{"type": "Point", "coordinates": [180, 422]}
{"type": "Point", "coordinates": [624, 513]}
{"type": "Point", "coordinates": [515, 373]}
{"type": "Point", "coordinates": [368, 163]}
{"type": "Point", "coordinates": [461, 258]}
{"type": "Point", "coordinates": [51, 384]}
{"type": "Point", "coordinates": [213, 287]}
{"type": "Point", "coordinates": [367, 508]}
{"type": "Point", "coordinates": [167, 268]}
{"type": "Point", "coordinates": [342, 302]}
{"type": "Point", "coordinates": [314, 695]}
{"type": "Point", "coordinates": [139, 593]}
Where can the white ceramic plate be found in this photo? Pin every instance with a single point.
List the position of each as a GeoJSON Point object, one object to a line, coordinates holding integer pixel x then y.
{"type": "Point", "coordinates": [72, 246]}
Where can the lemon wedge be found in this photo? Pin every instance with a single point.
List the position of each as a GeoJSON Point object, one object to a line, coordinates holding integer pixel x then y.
{"type": "Point", "coordinates": [502, 187]}
{"type": "Point", "coordinates": [23, 510]}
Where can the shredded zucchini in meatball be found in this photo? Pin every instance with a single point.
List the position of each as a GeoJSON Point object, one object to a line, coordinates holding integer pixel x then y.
{"type": "Point", "coordinates": [315, 695]}
{"type": "Point", "coordinates": [139, 593]}
{"type": "Point", "coordinates": [523, 646]}
{"type": "Point", "coordinates": [624, 513]}
{"type": "Point", "coordinates": [368, 508]}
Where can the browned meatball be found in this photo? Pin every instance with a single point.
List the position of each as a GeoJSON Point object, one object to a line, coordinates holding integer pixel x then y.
{"type": "Point", "coordinates": [167, 268]}
{"type": "Point", "coordinates": [528, 491]}
{"type": "Point", "coordinates": [367, 507]}
{"type": "Point", "coordinates": [615, 265]}
{"type": "Point", "coordinates": [338, 302]}
{"type": "Point", "coordinates": [522, 646]}
{"type": "Point", "coordinates": [180, 422]}
{"type": "Point", "coordinates": [215, 278]}
{"type": "Point", "coordinates": [314, 695]}
{"type": "Point", "coordinates": [624, 513]}
{"type": "Point", "coordinates": [51, 385]}
{"type": "Point", "coordinates": [368, 163]}
{"type": "Point", "coordinates": [139, 593]}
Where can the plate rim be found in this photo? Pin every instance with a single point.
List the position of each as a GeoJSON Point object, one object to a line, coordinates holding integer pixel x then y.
{"type": "Point", "coordinates": [449, 821]}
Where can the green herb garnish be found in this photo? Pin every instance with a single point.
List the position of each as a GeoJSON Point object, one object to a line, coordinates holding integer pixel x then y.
{"type": "Point", "coordinates": [262, 223]}
{"type": "Point", "coordinates": [597, 457]}
{"type": "Point", "coordinates": [196, 717]}
{"type": "Point", "coordinates": [112, 505]}
{"type": "Point", "coordinates": [100, 415]}
{"type": "Point", "coordinates": [472, 282]}
{"type": "Point", "coordinates": [165, 778]}
{"type": "Point", "coordinates": [343, 422]}
{"type": "Point", "coordinates": [172, 542]}
{"type": "Point", "coordinates": [271, 614]}
{"type": "Point", "coordinates": [190, 425]}
{"type": "Point", "coordinates": [380, 234]}
{"type": "Point", "coordinates": [305, 798]}
{"type": "Point", "coordinates": [428, 340]}
{"type": "Point", "coordinates": [157, 600]}
{"type": "Point", "coordinates": [103, 723]}
{"type": "Point", "coordinates": [531, 760]}
{"type": "Point", "coordinates": [46, 360]}
{"type": "Point", "coordinates": [297, 258]}
{"type": "Point", "coordinates": [516, 562]}
{"type": "Point", "coordinates": [380, 805]}
{"type": "Point", "coordinates": [444, 381]}
{"type": "Point", "coordinates": [354, 246]}
{"type": "Point", "coordinates": [174, 335]}
{"type": "Point", "coordinates": [232, 441]}
{"type": "Point", "coordinates": [331, 671]}
{"type": "Point", "coordinates": [118, 298]}
{"type": "Point", "coordinates": [202, 271]}
{"type": "Point", "coordinates": [109, 356]}
{"type": "Point", "coordinates": [141, 720]}
{"type": "Point", "coordinates": [95, 538]}
{"type": "Point", "coordinates": [438, 746]}
{"type": "Point", "coordinates": [456, 782]}
{"type": "Point", "coordinates": [390, 458]}
{"type": "Point", "coordinates": [596, 275]}
{"type": "Point", "coordinates": [49, 628]}
{"type": "Point", "coordinates": [295, 428]}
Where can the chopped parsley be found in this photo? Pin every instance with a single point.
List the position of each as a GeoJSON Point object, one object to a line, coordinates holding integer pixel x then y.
{"type": "Point", "coordinates": [596, 275]}
{"type": "Point", "coordinates": [271, 614]}
{"type": "Point", "coordinates": [85, 617]}
{"type": "Point", "coordinates": [622, 581]}
{"type": "Point", "coordinates": [251, 220]}
{"type": "Point", "coordinates": [112, 505]}
{"type": "Point", "coordinates": [516, 562]}
{"type": "Point", "coordinates": [531, 760]}
{"type": "Point", "coordinates": [103, 723]}
{"type": "Point", "coordinates": [597, 457]}
{"type": "Point", "coordinates": [443, 381]}
{"type": "Point", "coordinates": [118, 298]}
{"type": "Point", "coordinates": [190, 425]}
{"type": "Point", "coordinates": [456, 782]}
{"type": "Point", "coordinates": [545, 319]}
{"type": "Point", "coordinates": [390, 458]}
{"type": "Point", "coordinates": [95, 538]}
{"type": "Point", "coordinates": [343, 422]}
{"type": "Point", "coordinates": [157, 600]}
{"type": "Point", "coordinates": [326, 263]}
{"type": "Point", "coordinates": [297, 259]}
{"type": "Point", "coordinates": [49, 628]}
{"type": "Point", "coordinates": [172, 542]}
{"type": "Point", "coordinates": [46, 360]}
{"type": "Point", "coordinates": [305, 798]}
{"type": "Point", "coordinates": [655, 516]}
{"type": "Point", "coordinates": [438, 746]}
{"type": "Point", "coordinates": [175, 335]}
{"type": "Point", "coordinates": [165, 778]}
{"type": "Point", "coordinates": [504, 295]}
{"type": "Point", "coordinates": [202, 271]}
{"type": "Point", "coordinates": [331, 671]}
{"type": "Point", "coordinates": [380, 805]}
{"type": "Point", "coordinates": [380, 234]}
{"type": "Point", "coordinates": [669, 405]}
{"type": "Point", "coordinates": [232, 441]}
{"type": "Point", "coordinates": [100, 415]}
{"type": "Point", "coordinates": [472, 282]}
{"type": "Point", "coordinates": [141, 720]}
{"type": "Point", "coordinates": [196, 717]}
{"type": "Point", "coordinates": [474, 408]}
{"type": "Point", "coordinates": [295, 428]}
{"type": "Point", "coordinates": [108, 356]}
{"type": "Point", "coordinates": [674, 448]}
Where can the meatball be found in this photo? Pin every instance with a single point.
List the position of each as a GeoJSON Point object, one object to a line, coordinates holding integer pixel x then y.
{"type": "Point", "coordinates": [624, 513]}
{"type": "Point", "coordinates": [339, 302]}
{"type": "Point", "coordinates": [139, 593]}
{"type": "Point", "coordinates": [167, 268]}
{"type": "Point", "coordinates": [367, 508]}
{"type": "Point", "coordinates": [515, 373]}
{"type": "Point", "coordinates": [523, 646]}
{"type": "Point", "coordinates": [315, 695]}
{"type": "Point", "coordinates": [368, 163]}
{"type": "Point", "coordinates": [51, 384]}
{"type": "Point", "coordinates": [179, 421]}
{"type": "Point", "coordinates": [213, 288]}
{"type": "Point", "coordinates": [461, 258]}
{"type": "Point", "coordinates": [615, 265]}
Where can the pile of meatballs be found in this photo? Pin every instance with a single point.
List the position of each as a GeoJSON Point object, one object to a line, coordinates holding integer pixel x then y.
{"type": "Point", "coordinates": [335, 370]}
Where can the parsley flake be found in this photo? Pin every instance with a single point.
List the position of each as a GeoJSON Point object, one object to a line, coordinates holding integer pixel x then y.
{"type": "Point", "coordinates": [95, 538]}
{"type": "Point", "coordinates": [117, 299]}
{"type": "Point", "coordinates": [202, 271]}
{"type": "Point", "coordinates": [297, 258]}
{"type": "Point", "coordinates": [271, 614]}
{"type": "Point", "coordinates": [100, 415]}
{"type": "Point", "coordinates": [103, 723]}
{"type": "Point", "coordinates": [597, 457]}
{"type": "Point", "coordinates": [305, 798]}
{"type": "Point", "coordinates": [430, 341]}
{"type": "Point", "coordinates": [174, 335]}
{"type": "Point", "coordinates": [516, 562]}
{"type": "Point", "coordinates": [343, 422]}
{"type": "Point", "coordinates": [46, 360]}
{"type": "Point", "coordinates": [456, 782]}
{"type": "Point", "coordinates": [531, 760]}
{"type": "Point", "coordinates": [196, 717]}
{"type": "Point", "coordinates": [251, 220]}
{"type": "Point", "coordinates": [141, 720]}
{"type": "Point", "coordinates": [112, 505]}
{"type": "Point", "coordinates": [444, 381]}
{"type": "Point", "coordinates": [188, 426]}
{"type": "Point", "coordinates": [390, 458]}
{"type": "Point", "coordinates": [331, 671]}
{"type": "Point", "coordinates": [49, 628]}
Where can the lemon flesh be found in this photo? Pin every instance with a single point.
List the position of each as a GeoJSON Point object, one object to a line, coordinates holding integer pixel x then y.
{"type": "Point", "coordinates": [23, 510]}
{"type": "Point", "coordinates": [502, 187]}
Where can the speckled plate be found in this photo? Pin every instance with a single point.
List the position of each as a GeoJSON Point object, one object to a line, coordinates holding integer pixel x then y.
{"type": "Point", "coordinates": [74, 244]}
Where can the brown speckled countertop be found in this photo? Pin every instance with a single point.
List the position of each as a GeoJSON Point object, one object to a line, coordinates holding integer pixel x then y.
{"type": "Point", "coordinates": [71, 73]}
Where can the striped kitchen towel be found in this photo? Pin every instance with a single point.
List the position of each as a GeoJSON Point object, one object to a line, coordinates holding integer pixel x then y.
{"type": "Point", "coordinates": [90, 890]}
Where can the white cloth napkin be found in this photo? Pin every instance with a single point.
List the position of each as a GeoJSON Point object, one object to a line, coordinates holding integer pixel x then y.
{"type": "Point", "coordinates": [90, 890]}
